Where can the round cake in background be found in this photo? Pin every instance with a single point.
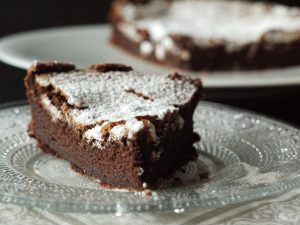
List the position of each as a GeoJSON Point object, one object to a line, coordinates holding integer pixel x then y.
{"type": "Point", "coordinates": [208, 35]}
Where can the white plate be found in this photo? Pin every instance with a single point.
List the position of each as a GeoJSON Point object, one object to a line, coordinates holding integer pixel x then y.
{"type": "Point", "coordinates": [84, 45]}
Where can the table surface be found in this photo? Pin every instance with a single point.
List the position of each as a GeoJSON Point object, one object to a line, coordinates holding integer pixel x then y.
{"type": "Point", "coordinates": [278, 102]}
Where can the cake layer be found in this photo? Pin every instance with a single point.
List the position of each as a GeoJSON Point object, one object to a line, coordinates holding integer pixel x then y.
{"type": "Point", "coordinates": [124, 128]}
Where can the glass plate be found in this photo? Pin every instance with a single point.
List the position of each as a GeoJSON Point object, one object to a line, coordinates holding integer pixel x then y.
{"type": "Point", "coordinates": [247, 156]}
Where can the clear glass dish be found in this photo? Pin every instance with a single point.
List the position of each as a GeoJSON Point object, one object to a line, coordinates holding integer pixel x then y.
{"type": "Point", "coordinates": [247, 156]}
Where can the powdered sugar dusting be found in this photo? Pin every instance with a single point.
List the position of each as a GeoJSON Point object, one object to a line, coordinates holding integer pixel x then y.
{"type": "Point", "coordinates": [116, 104]}
{"type": "Point", "coordinates": [233, 21]}
{"type": "Point", "coordinates": [129, 129]}
{"type": "Point", "coordinates": [146, 48]}
{"type": "Point", "coordinates": [118, 131]}
{"type": "Point", "coordinates": [105, 96]}
{"type": "Point", "coordinates": [130, 31]}
{"type": "Point", "coordinates": [55, 112]}
{"type": "Point", "coordinates": [94, 133]}
{"type": "Point", "coordinates": [134, 126]}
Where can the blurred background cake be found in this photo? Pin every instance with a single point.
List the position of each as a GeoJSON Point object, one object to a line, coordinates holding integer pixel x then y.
{"type": "Point", "coordinates": [208, 35]}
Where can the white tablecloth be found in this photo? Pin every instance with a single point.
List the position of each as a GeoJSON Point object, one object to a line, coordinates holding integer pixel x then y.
{"type": "Point", "coordinates": [277, 210]}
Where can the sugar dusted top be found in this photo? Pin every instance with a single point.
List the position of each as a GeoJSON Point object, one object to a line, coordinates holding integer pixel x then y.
{"type": "Point", "coordinates": [118, 96]}
{"type": "Point", "coordinates": [233, 21]}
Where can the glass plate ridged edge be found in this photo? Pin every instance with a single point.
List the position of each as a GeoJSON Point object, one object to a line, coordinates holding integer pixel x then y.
{"type": "Point", "coordinates": [8, 189]}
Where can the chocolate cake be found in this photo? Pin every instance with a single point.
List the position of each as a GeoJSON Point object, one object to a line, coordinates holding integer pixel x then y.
{"type": "Point", "coordinates": [208, 35]}
{"type": "Point", "coordinates": [126, 129]}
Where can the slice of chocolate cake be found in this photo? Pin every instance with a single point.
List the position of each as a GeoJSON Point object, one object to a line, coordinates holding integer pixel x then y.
{"type": "Point", "coordinates": [122, 127]}
{"type": "Point", "coordinates": [208, 35]}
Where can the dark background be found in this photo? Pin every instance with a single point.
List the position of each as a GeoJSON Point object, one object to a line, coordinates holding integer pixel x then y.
{"type": "Point", "coordinates": [17, 16]}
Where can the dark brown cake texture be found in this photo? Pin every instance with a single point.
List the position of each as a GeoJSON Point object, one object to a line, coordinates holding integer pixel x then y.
{"type": "Point", "coordinates": [208, 35]}
{"type": "Point", "coordinates": [125, 128]}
